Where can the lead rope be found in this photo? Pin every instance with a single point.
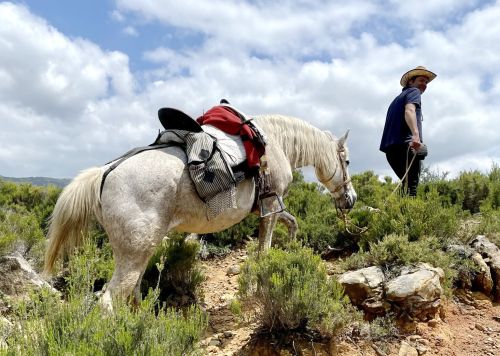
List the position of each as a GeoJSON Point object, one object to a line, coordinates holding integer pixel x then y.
{"type": "Point", "coordinates": [408, 166]}
{"type": "Point", "coordinates": [361, 230]}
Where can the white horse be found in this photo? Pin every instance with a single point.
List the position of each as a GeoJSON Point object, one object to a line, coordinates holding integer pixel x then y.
{"type": "Point", "coordinates": [151, 194]}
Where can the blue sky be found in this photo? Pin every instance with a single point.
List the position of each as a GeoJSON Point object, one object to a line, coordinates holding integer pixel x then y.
{"type": "Point", "coordinates": [81, 81]}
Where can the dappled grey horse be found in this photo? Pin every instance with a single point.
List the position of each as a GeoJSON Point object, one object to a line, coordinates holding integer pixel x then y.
{"type": "Point", "coordinates": [151, 194]}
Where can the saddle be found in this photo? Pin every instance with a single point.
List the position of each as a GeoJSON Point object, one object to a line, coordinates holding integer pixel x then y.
{"type": "Point", "coordinates": [226, 119]}
{"type": "Point", "coordinates": [173, 119]}
{"type": "Point", "coordinates": [225, 123]}
{"type": "Point", "coordinates": [213, 172]}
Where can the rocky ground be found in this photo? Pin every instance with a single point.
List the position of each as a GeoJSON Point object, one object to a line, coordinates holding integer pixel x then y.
{"type": "Point", "coordinates": [470, 325]}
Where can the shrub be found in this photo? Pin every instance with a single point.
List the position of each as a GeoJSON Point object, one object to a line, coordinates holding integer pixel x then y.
{"type": "Point", "coordinates": [24, 212]}
{"type": "Point", "coordinates": [474, 190]}
{"type": "Point", "coordinates": [20, 230]}
{"type": "Point", "coordinates": [180, 273]}
{"type": "Point", "coordinates": [493, 200]}
{"type": "Point", "coordinates": [489, 225]}
{"type": "Point", "coordinates": [293, 291]}
{"type": "Point", "coordinates": [313, 208]}
{"type": "Point", "coordinates": [383, 328]}
{"type": "Point", "coordinates": [370, 190]}
{"type": "Point", "coordinates": [87, 266]}
{"type": "Point", "coordinates": [47, 325]}
{"type": "Point", "coordinates": [315, 212]}
{"type": "Point", "coordinates": [412, 217]}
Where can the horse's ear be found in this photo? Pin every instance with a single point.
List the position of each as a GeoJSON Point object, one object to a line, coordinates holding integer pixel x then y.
{"type": "Point", "coordinates": [343, 138]}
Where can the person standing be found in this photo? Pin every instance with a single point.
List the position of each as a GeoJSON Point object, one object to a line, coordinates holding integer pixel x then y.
{"type": "Point", "coordinates": [402, 140]}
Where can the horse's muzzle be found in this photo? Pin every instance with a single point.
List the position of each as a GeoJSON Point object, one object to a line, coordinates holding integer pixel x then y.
{"type": "Point", "coordinates": [346, 201]}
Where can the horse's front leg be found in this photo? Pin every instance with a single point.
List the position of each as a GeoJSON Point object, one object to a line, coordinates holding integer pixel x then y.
{"type": "Point", "coordinates": [291, 223]}
{"type": "Point", "coordinates": [266, 227]}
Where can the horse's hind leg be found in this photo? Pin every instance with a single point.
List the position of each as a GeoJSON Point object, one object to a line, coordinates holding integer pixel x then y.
{"type": "Point", "coordinates": [125, 277]}
{"type": "Point", "coordinates": [131, 252]}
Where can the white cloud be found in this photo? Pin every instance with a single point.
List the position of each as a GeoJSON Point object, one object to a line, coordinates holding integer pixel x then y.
{"type": "Point", "coordinates": [131, 31]}
{"type": "Point", "coordinates": [50, 84]}
{"type": "Point", "coordinates": [50, 73]}
{"type": "Point", "coordinates": [322, 61]}
{"type": "Point", "coordinates": [274, 28]}
{"type": "Point", "coordinates": [117, 16]}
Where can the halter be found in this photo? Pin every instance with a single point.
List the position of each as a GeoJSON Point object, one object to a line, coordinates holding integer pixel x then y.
{"type": "Point", "coordinates": [340, 212]}
{"type": "Point", "coordinates": [344, 174]}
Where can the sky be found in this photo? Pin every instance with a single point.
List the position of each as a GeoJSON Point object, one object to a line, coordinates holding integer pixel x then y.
{"type": "Point", "coordinates": [81, 81]}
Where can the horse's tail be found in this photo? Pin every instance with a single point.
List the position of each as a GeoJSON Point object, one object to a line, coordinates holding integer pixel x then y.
{"type": "Point", "coordinates": [77, 204]}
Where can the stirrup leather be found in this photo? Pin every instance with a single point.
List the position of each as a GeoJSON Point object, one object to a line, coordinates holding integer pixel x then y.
{"type": "Point", "coordinates": [269, 202]}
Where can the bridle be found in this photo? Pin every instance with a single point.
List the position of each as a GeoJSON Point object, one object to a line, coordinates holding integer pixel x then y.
{"type": "Point", "coordinates": [341, 213]}
{"type": "Point", "coordinates": [345, 180]}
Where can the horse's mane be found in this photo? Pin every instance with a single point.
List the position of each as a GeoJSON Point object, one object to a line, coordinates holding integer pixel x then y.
{"type": "Point", "coordinates": [301, 142]}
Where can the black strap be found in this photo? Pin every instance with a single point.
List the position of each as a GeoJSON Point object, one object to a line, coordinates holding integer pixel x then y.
{"type": "Point", "coordinates": [127, 155]}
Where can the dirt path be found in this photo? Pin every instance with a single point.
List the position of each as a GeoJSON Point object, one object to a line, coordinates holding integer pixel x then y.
{"type": "Point", "coordinates": [471, 326]}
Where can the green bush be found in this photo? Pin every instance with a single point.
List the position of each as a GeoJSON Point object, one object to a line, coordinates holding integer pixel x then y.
{"type": "Point", "coordinates": [314, 209]}
{"type": "Point", "coordinates": [20, 230]}
{"type": "Point", "coordinates": [474, 188]}
{"type": "Point", "coordinates": [37, 200]}
{"type": "Point", "coordinates": [293, 291]}
{"type": "Point", "coordinates": [370, 190]}
{"type": "Point", "coordinates": [86, 266]}
{"type": "Point", "coordinates": [24, 213]}
{"type": "Point", "coordinates": [319, 225]}
{"type": "Point", "coordinates": [47, 325]}
{"type": "Point", "coordinates": [493, 201]}
{"type": "Point", "coordinates": [181, 275]}
{"type": "Point", "coordinates": [489, 225]}
{"type": "Point", "coordinates": [415, 218]}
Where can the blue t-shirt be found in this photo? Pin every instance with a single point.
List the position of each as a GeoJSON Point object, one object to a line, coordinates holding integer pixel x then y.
{"type": "Point", "coordinates": [396, 130]}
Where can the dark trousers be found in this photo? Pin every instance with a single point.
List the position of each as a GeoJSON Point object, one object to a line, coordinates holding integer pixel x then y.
{"type": "Point", "coordinates": [398, 157]}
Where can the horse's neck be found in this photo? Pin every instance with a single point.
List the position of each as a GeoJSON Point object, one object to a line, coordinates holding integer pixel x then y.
{"type": "Point", "coordinates": [302, 143]}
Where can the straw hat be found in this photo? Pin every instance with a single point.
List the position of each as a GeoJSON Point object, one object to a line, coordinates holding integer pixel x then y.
{"type": "Point", "coordinates": [417, 72]}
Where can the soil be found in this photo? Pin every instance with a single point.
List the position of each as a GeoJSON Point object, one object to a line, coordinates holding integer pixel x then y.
{"type": "Point", "coordinates": [468, 325]}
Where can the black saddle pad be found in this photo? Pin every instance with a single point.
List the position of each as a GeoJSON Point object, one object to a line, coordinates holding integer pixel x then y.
{"type": "Point", "coordinates": [173, 119]}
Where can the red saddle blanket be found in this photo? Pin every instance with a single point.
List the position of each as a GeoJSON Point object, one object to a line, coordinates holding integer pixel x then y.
{"type": "Point", "coordinates": [229, 121]}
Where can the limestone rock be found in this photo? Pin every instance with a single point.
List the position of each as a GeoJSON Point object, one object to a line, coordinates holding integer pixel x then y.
{"type": "Point", "coordinates": [233, 270]}
{"type": "Point", "coordinates": [491, 255]}
{"type": "Point", "coordinates": [482, 281]}
{"type": "Point", "coordinates": [417, 291]}
{"type": "Point", "coordinates": [365, 287]}
{"type": "Point", "coordinates": [407, 350]}
{"type": "Point", "coordinates": [17, 277]}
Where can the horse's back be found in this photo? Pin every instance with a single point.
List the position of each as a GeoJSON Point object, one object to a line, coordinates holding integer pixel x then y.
{"type": "Point", "coordinates": [156, 185]}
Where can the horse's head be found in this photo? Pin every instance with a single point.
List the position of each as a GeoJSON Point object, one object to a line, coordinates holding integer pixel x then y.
{"type": "Point", "coordinates": [335, 174]}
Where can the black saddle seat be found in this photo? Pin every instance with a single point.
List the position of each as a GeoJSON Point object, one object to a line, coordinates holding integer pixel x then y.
{"type": "Point", "coordinates": [173, 119]}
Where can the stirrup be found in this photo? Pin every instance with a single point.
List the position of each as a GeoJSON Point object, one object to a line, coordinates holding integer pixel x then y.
{"type": "Point", "coordinates": [270, 203]}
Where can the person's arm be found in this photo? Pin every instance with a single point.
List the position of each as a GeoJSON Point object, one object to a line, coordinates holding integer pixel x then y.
{"type": "Point", "coordinates": [411, 121]}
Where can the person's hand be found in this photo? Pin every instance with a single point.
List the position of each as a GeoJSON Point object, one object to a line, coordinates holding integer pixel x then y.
{"type": "Point", "coordinates": [415, 143]}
